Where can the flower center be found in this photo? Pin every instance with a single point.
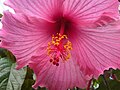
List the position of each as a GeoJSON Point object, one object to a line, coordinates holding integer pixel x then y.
{"type": "Point", "coordinates": [59, 48]}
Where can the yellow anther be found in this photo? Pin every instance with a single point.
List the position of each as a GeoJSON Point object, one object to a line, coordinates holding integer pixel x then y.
{"type": "Point", "coordinates": [59, 47]}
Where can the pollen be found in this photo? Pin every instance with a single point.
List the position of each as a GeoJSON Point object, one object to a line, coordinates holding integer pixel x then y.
{"type": "Point", "coordinates": [59, 48]}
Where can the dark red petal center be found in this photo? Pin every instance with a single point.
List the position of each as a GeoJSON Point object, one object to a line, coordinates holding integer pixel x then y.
{"type": "Point", "coordinates": [63, 21]}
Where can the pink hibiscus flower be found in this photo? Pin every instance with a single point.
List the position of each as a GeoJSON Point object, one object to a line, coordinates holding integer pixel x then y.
{"type": "Point", "coordinates": [62, 39]}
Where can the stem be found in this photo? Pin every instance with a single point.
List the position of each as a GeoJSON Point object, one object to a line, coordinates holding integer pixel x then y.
{"type": "Point", "coordinates": [115, 77]}
{"type": "Point", "coordinates": [62, 29]}
{"type": "Point", "coordinates": [89, 84]}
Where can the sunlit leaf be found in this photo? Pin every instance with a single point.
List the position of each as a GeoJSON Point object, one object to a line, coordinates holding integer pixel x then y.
{"type": "Point", "coordinates": [10, 78]}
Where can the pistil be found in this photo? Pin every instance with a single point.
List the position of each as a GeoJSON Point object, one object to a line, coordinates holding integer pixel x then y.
{"type": "Point", "coordinates": [59, 48]}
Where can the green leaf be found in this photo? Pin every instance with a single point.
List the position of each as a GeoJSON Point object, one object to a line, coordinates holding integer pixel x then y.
{"type": "Point", "coordinates": [111, 83]}
{"type": "Point", "coordinates": [6, 53]}
{"type": "Point", "coordinates": [10, 78]}
{"type": "Point", "coordinates": [28, 82]}
{"type": "Point", "coordinates": [2, 53]}
{"type": "Point", "coordinates": [1, 15]}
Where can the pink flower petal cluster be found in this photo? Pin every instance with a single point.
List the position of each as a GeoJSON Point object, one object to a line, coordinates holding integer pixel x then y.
{"type": "Point", "coordinates": [63, 41]}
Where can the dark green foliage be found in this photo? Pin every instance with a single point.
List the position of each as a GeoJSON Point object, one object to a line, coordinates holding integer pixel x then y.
{"type": "Point", "coordinates": [1, 15]}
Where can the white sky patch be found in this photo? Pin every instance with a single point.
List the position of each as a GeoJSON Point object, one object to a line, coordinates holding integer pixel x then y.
{"type": "Point", "coordinates": [3, 8]}
{"type": "Point", "coordinates": [119, 6]}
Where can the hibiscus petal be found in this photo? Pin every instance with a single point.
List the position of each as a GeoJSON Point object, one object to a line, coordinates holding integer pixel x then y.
{"type": "Point", "coordinates": [66, 75]}
{"type": "Point", "coordinates": [104, 20]}
{"type": "Point", "coordinates": [90, 10]}
{"type": "Point", "coordinates": [22, 35]}
{"type": "Point", "coordinates": [99, 48]}
{"type": "Point", "coordinates": [38, 8]}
